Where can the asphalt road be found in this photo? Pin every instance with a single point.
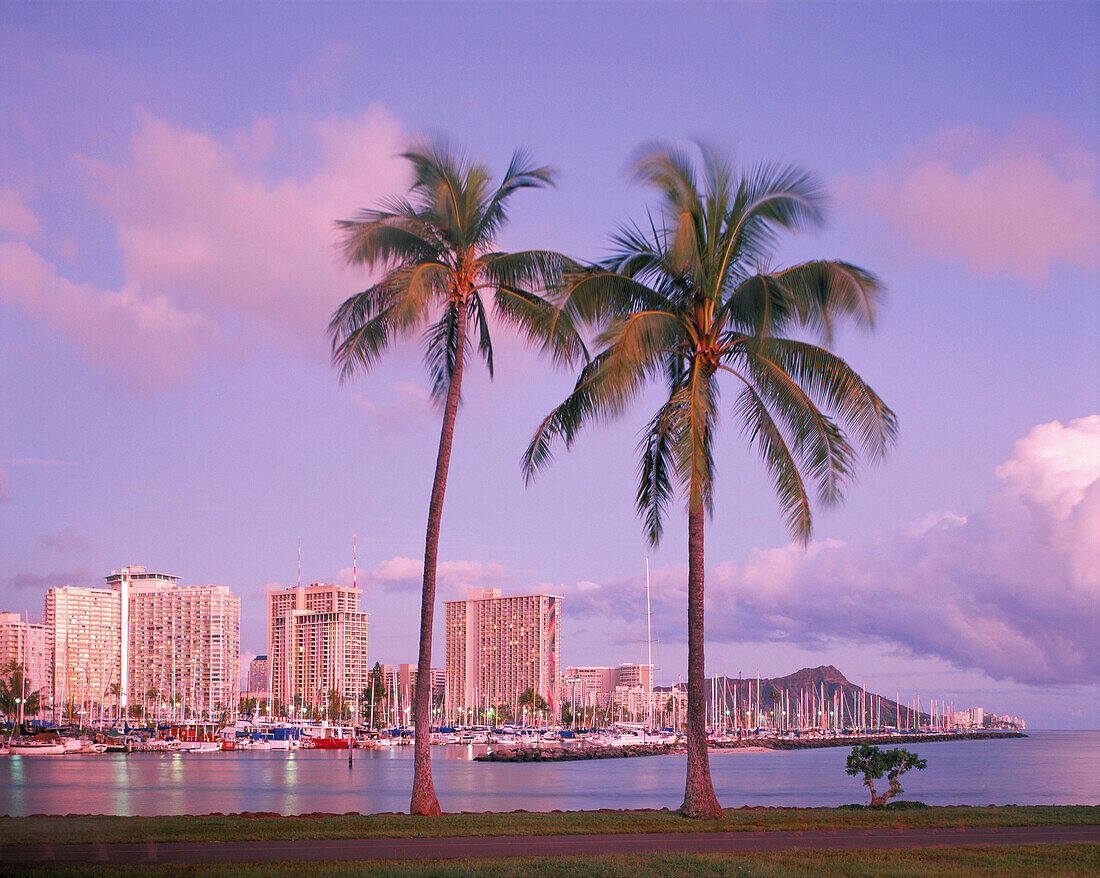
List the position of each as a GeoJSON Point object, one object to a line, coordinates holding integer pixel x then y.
{"type": "Point", "coordinates": [314, 850]}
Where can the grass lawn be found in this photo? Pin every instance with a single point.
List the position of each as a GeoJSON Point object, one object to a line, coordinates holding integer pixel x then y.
{"type": "Point", "coordinates": [216, 827]}
{"type": "Point", "coordinates": [1046, 860]}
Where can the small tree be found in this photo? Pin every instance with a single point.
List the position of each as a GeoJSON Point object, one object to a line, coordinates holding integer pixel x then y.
{"type": "Point", "coordinates": [872, 763]}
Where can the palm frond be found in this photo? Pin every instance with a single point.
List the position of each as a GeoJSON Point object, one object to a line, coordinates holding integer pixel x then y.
{"type": "Point", "coordinates": [477, 315]}
{"type": "Point", "coordinates": [762, 432]}
{"type": "Point", "coordinates": [441, 351]}
{"type": "Point", "coordinates": [830, 381]}
{"type": "Point", "coordinates": [361, 330]}
{"type": "Point", "coordinates": [819, 446]}
{"type": "Point", "coordinates": [522, 173]}
{"type": "Point", "coordinates": [540, 324]}
{"type": "Point", "coordinates": [655, 488]}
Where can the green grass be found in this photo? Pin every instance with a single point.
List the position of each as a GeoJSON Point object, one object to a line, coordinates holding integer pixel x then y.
{"type": "Point", "coordinates": [216, 827]}
{"type": "Point", "coordinates": [1025, 860]}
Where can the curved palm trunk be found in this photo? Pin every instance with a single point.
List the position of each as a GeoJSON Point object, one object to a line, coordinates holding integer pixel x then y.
{"type": "Point", "coordinates": [699, 798]}
{"type": "Point", "coordinates": [424, 801]}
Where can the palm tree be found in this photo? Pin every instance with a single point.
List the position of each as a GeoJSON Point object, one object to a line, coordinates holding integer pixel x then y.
{"type": "Point", "coordinates": [18, 699]}
{"type": "Point", "coordinates": [689, 300]}
{"type": "Point", "coordinates": [435, 249]}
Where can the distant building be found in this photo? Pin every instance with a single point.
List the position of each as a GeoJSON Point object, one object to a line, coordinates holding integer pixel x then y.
{"type": "Point", "coordinates": [144, 641]}
{"type": "Point", "coordinates": [259, 679]}
{"type": "Point", "coordinates": [84, 627]}
{"type": "Point", "coordinates": [28, 646]}
{"type": "Point", "coordinates": [184, 643]}
{"type": "Point", "coordinates": [497, 647]}
{"type": "Point", "coordinates": [625, 685]}
{"type": "Point", "coordinates": [317, 643]}
{"type": "Point", "coordinates": [400, 683]}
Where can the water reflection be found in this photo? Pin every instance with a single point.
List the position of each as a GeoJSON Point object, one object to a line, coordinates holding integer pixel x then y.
{"type": "Point", "coordinates": [1026, 771]}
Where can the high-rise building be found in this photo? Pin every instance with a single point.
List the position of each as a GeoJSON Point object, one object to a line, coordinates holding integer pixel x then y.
{"type": "Point", "coordinates": [317, 644]}
{"type": "Point", "coordinates": [28, 646]}
{"type": "Point", "coordinates": [497, 647]}
{"type": "Point", "coordinates": [145, 640]}
{"type": "Point", "coordinates": [183, 645]}
{"type": "Point", "coordinates": [258, 677]}
{"type": "Point", "coordinates": [84, 627]}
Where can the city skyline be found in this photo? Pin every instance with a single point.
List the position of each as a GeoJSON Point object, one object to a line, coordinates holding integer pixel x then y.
{"type": "Point", "coordinates": [168, 266]}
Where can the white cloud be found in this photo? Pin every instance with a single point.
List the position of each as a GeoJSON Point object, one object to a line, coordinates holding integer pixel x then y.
{"type": "Point", "coordinates": [407, 407]}
{"type": "Point", "coordinates": [1016, 205]}
{"type": "Point", "coordinates": [1012, 591]}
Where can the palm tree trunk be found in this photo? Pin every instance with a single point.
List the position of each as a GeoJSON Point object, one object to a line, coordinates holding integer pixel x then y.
{"type": "Point", "coordinates": [699, 798]}
{"type": "Point", "coordinates": [424, 801]}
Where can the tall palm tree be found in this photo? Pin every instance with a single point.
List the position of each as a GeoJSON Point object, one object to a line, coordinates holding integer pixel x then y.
{"type": "Point", "coordinates": [435, 249]}
{"type": "Point", "coordinates": [689, 300]}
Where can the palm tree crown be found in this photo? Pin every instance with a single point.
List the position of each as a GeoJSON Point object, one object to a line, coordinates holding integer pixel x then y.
{"type": "Point", "coordinates": [690, 299]}
{"type": "Point", "coordinates": [436, 249]}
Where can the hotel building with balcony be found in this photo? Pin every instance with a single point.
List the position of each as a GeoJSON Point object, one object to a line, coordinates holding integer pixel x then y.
{"type": "Point", "coordinates": [497, 647]}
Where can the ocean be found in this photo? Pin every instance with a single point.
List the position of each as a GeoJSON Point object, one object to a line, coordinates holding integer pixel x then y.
{"type": "Point", "coordinates": [1045, 768]}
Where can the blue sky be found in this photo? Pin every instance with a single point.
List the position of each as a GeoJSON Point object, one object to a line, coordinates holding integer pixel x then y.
{"type": "Point", "coordinates": [168, 180]}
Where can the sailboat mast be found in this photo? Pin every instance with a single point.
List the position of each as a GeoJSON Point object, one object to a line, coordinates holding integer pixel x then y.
{"type": "Point", "coordinates": [649, 643]}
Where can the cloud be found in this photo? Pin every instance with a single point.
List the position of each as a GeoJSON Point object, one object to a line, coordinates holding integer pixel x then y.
{"type": "Point", "coordinates": [218, 251]}
{"type": "Point", "coordinates": [16, 218]}
{"type": "Point", "coordinates": [1015, 205]}
{"type": "Point", "coordinates": [142, 341]}
{"type": "Point", "coordinates": [5, 494]}
{"type": "Point", "coordinates": [80, 576]}
{"type": "Point", "coordinates": [65, 542]}
{"type": "Point", "coordinates": [1012, 591]}
{"type": "Point", "coordinates": [406, 408]}
{"type": "Point", "coordinates": [203, 220]}
{"type": "Point", "coordinates": [452, 577]}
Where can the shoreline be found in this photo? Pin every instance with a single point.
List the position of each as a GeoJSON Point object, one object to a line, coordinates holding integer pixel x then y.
{"type": "Point", "coordinates": [750, 745]}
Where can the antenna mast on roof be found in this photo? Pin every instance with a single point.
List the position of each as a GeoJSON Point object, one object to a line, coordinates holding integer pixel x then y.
{"type": "Point", "coordinates": [299, 562]}
{"type": "Point", "coordinates": [354, 558]}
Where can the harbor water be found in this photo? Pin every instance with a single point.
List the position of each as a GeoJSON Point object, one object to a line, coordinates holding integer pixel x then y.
{"type": "Point", "coordinates": [1045, 768]}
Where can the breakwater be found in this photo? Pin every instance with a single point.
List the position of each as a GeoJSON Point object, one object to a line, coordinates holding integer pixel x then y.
{"type": "Point", "coordinates": [573, 754]}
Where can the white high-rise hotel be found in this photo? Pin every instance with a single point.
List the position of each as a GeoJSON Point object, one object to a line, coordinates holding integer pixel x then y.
{"type": "Point", "coordinates": [146, 640]}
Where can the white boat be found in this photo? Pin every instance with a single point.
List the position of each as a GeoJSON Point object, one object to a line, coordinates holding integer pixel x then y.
{"type": "Point", "coordinates": [37, 748]}
{"type": "Point", "coordinates": [200, 747]}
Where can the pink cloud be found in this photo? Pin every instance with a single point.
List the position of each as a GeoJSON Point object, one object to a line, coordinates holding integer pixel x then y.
{"type": "Point", "coordinates": [215, 250]}
{"type": "Point", "coordinates": [1012, 590]}
{"type": "Point", "coordinates": [452, 577]}
{"type": "Point", "coordinates": [143, 341]}
{"type": "Point", "coordinates": [1015, 205]}
{"type": "Point", "coordinates": [201, 220]}
{"type": "Point", "coordinates": [407, 407]}
{"type": "Point", "coordinates": [5, 494]}
{"type": "Point", "coordinates": [16, 218]}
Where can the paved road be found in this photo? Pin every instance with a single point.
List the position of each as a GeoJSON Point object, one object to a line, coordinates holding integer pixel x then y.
{"type": "Point", "coordinates": [537, 845]}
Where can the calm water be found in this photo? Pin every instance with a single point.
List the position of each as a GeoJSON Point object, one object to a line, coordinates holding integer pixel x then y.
{"type": "Point", "coordinates": [1044, 769]}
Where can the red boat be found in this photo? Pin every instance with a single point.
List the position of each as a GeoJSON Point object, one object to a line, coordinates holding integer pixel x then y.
{"type": "Point", "coordinates": [330, 743]}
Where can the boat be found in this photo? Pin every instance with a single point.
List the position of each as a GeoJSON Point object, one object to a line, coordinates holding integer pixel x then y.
{"type": "Point", "coordinates": [42, 744]}
{"type": "Point", "coordinates": [200, 747]}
